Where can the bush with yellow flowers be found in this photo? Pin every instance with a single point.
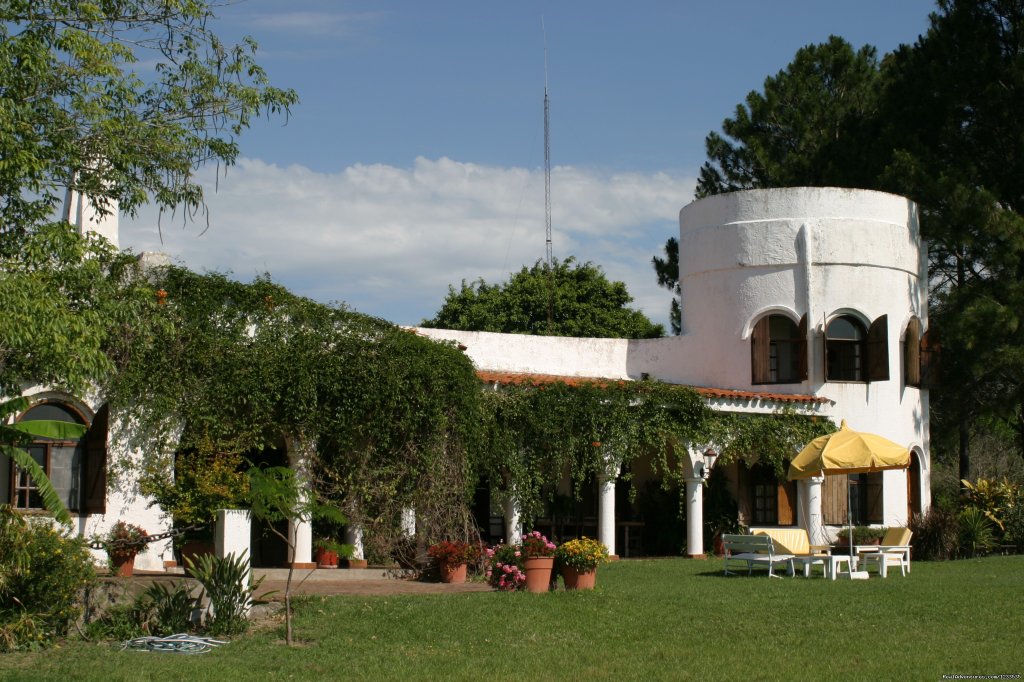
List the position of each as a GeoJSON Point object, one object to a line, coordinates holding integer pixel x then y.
{"type": "Point", "coordinates": [582, 554]}
{"type": "Point", "coordinates": [44, 571]}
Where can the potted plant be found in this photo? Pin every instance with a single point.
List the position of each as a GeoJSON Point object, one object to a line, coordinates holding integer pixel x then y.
{"type": "Point", "coordinates": [328, 552]}
{"type": "Point", "coordinates": [724, 524]}
{"type": "Point", "coordinates": [122, 542]}
{"type": "Point", "coordinates": [862, 535]}
{"type": "Point", "coordinates": [578, 561]}
{"type": "Point", "coordinates": [505, 568]}
{"type": "Point", "coordinates": [452, 557]}
{"type": "Point", "coordinates": [538, 561]}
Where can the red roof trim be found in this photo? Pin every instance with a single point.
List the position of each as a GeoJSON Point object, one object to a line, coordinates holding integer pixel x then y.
{"type": "Point", "coordinates": [517, 378]}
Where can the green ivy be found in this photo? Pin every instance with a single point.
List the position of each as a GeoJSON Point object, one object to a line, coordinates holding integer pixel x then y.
{"type": "Point", "coordinates": [393, 419]}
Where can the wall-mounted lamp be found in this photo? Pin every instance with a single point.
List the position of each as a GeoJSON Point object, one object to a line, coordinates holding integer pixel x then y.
{"type": "Point", "coordinates": [703, 469]}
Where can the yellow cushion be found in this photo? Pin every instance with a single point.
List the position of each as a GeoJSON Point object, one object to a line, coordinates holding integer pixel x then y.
{"type": "Point", "coordinates": [896, 537]}
{"type": "Point", "coordinates": [787, 540]}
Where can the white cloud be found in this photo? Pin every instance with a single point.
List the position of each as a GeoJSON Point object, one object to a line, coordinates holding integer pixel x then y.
{"type": "Point", "coordinates": [306, 23]}
{"type": "Point", "coordinates": [389, 241]}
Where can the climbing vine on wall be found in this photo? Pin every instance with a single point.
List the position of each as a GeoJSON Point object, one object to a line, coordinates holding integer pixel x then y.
{"type": "Point", "coordinates": [537, 434]}
{"type": "Point", "coordinates": [237, 368]}
{"type": "Point", "coordinates": [395, 420]}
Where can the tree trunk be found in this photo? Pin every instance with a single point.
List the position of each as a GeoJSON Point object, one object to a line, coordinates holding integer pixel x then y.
{"type": "Point", "coordinates": [965, 444]}
{"type": "Point", "coordinates": [962, 423]}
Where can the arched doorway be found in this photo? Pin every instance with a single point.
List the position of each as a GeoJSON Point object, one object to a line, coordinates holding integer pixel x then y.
{"type": "Point", "coordinates": [914, 506]}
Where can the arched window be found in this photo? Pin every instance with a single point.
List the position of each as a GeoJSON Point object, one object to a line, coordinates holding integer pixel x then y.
{"type": "Point", "coordinates": [844, 349]}
{"type": "Point", "coordinates": [76, 467]}
{"type": "Point", "coordinates": [853, 353]}
{"type": "Point", "coordinates": [778, 350]}
{"type": "Point", "coordinates": [60, 459]}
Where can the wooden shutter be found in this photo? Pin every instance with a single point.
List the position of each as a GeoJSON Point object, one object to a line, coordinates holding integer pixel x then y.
{"type": "Point", "coordinates": [912, 353]}
{"type": "Point", "coordinates": [94, 470]}
{"type": "Point", "coordinates": [930, 354]}
{"type": "Point", "coordinates": [801, 350]}
{"type": "Point", "coordinates": [877, 350]}
{"type": "Point", "coordinates": [786, 505]}
{"type": "Point", "coordinates": [872, 483]}
{"type": "Point", "coordinates": [824, 349]}
{"type": "Point", "coordinates": [760, 339]}
{"type": "Point", "coordinates": [833, 500]}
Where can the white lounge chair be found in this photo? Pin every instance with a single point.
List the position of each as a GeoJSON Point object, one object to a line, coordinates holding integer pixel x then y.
{"type": "Point", "coordinates": [894, 550]}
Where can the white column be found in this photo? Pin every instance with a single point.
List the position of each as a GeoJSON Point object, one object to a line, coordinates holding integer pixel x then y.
{"type": "Point", "coordinates": [232, 536]}
{"type": "Point", "coordinates": [606, 511]}
{"type": "Point", "coordinates": [232, 533]}
{"type": "Point", "coordinates": [513, 526]}
{"type": "Point", "coordinates": [813, 521]}
{"type": "Point", "coordinates": [354, 537]}
{"type": "Point", "coordinates": [300, 535]}
{"type": "Point", "coordinates": [694, 517]}
{"type": "Point", "coordinates": [300, 529]}
{"type": "Point", "coordinates": [408, 522]}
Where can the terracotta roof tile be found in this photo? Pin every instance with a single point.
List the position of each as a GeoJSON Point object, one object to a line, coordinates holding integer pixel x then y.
{"type": "Point", "coordinates": [520, 378]}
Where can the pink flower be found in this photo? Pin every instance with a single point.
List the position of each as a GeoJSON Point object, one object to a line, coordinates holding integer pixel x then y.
{"type": "Point", "coordinates": [517, 552]}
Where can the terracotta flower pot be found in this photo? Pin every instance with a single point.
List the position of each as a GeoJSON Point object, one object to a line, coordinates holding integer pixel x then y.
{"type": "Point", "coordinates": [124, 564]}
{"type": "Point", "coordinates": [575, 579]}
{"type": "Point", "coordinates": [538, 573]}
{"type": "Point", "coordinates": [452, 573]}
{"type": "Point", "coordinates": [325, 558]}
{"type": "Point", "coordinates": [356, 563]}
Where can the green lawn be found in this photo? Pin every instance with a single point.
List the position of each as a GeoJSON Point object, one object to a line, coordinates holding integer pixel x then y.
{"type": "Point", "coordinates": [668, 619]}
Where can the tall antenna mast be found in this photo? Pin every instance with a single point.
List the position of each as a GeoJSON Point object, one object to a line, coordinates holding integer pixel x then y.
{"type": "Point", "coordinates": [547, 155]}
{"type": "Point", "coordinates": [547, 186]}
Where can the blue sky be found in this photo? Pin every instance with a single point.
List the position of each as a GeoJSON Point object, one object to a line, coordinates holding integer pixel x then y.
{"type": "Point", "coordinates": [415, 157]}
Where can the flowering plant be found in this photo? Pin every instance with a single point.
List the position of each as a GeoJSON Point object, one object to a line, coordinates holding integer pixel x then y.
{"type": "Point", "coordinates": [453, 552]}
{"type": "Point", "coordinates": [505, 568]}
{"type": "Point", "coordinates": [582, 554]}
{"type": "Point", "coordinates": [125, 538]}
{"type": "Point", "coordinates": [536, 545]}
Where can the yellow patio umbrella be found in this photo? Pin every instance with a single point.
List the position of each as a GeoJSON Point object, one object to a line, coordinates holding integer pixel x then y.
{"type": "Point", "coordinates": [848, 452]}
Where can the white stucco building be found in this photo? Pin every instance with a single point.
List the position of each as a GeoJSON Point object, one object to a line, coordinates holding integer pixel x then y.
{"type": "Point", "coordinates": [813, 299]}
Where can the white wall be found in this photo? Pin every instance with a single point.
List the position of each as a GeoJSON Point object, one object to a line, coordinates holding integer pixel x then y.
{"type": "Point", "coordinates": [124, 502]}
{"type": "Point", "coordinates": [814, 251]}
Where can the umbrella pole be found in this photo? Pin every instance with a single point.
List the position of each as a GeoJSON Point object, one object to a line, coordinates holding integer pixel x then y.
{"type": "Point", "coordinates": [849, 519]}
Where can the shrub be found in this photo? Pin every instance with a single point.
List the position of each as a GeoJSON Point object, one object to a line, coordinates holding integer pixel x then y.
{"type": "Point", "coordinates": [453, 552]}
{"type": "Point", "coordinates": [582, 554]}
{"type": "Point", "coordinates": [936, 535]}
{"type": "Point", "coordinates": [505, 568]}
{"type": "Point", "coordinates": [40, 600]}
{"type": "Point", "coordinates": [1014, 522]}
{"type": "Point", "coordinates": [124, 540]}
{"type": "Point", "coordinates": [535, 545]}
{"type": "Point", "coordinates": [166, 609]}
{"type": "Point", "coordinates": [228, 584]}
{"type": "Point", "coordinates": [862, 535]}
{"type": "Point", "coordinates": [993, 499]}
{"type": "Point", "coordinates": [119, 622]}
{"type": "Point", "coordinates": [977, 533]}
